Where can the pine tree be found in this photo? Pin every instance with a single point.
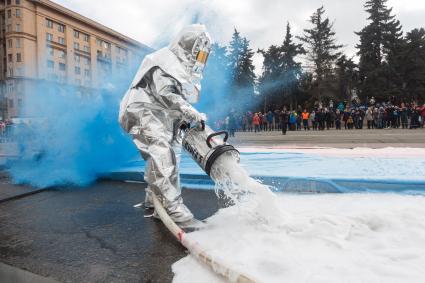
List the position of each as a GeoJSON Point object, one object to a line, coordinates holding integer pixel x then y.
{"type": "Point", "coordinates": [322, 49]}
{"type": "Point", "coordinates": [247, 75]}
{"type": "Point", "coordinates": [346, 77]}
{"type": "Point", "coordinates": [235, 55]}
{"type": "Point", "coordinates": [281, 72]}
{"type": "Point", "coordinates": [413, 68]}
{"type": "Point", "coordinates": [379, 50]}
{"type": "Point", "coordinates": [291, 70]}
{"type": "Point", "coordinates": [242, 70]}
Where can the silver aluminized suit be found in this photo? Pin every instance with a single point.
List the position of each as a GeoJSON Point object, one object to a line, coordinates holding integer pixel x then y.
{"type": "Point", "coordinates": [153, 109]}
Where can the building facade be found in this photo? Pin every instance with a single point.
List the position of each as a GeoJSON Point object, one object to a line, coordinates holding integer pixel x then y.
{"type": "Point", "coordinates": [43, 41]}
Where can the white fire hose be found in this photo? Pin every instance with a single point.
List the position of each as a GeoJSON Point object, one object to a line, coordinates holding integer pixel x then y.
{"type": "Point", "coordinates": [193, 247]}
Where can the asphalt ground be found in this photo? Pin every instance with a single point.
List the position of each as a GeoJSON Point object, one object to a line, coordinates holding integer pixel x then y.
{"type": "Point", "coordinates": [92, 234]}
{"type": "Point", "coordinates": [334, 138]}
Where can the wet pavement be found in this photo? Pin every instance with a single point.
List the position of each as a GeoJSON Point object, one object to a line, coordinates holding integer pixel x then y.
{"type": "Point", "coordinates": [92, 234]}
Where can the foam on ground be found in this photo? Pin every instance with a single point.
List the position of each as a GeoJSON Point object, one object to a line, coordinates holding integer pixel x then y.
{"type": "Point", "coordinates": [321, 238]}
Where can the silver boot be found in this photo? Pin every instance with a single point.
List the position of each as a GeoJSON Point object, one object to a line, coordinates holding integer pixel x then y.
{"type": "Point", "coordinates": [178, 211]}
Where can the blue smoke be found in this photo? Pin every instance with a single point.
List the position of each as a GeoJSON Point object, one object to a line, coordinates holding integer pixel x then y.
{"type": "Point", "coordinates": [72, 138]}
{"type": "Point", "coordinates": [216, 86]}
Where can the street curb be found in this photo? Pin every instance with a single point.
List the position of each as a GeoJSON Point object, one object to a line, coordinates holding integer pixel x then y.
{"type": "Point", "coordinates": [23, 195]}
{"type": "Point", "coordinates": [10, 274]}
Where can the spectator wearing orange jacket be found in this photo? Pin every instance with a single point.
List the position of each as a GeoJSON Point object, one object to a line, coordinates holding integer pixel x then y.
{"type": "Point", "coordinates": [305, 115]}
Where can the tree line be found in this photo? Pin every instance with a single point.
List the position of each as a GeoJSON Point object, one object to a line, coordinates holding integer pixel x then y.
{"type": "Point", "coordinates": [311, 69]}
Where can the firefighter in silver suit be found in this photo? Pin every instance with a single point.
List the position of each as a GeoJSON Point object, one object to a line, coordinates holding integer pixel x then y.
{"type": "Point", "coordinates": [157, 103]}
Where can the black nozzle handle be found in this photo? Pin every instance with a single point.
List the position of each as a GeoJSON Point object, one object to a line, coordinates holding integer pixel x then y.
{"type": "Point", "coordinates": [226, 137]}
{"type": "Point", "coordinates": [203, 125]}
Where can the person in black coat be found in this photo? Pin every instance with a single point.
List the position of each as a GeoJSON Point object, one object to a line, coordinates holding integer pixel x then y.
{"type": "Point", "coordinates": [284, 119]}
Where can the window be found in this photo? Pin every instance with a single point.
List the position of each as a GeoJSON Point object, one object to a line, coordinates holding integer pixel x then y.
{"type": "Point", "coordinates": [18, 27]}
{"type": "Point", "coordinates": [11, 103]}
{"type": "Point", "coordinates": [18, 13]}
{"type": "Point", "coordinates": [9, 43]}
{"type": "Point", "coordinates": [86, 61]}
{"type": "Point", "coordinates": [87, 73]}
{"type": "Point", "coordinates": [19, 86]}
{"type": "Point", "coordinates": [18, 57]}
{"type": "Point", "coordinates": [10, 88]}
{"type": "Point", "coordinates": [18, 43]}
{"type": "Point", "coordinates": [9, 2]}
{"type": "Point", "coordinates": [99, 42]}
{"type": "Point", "coordinates": [10, 58]}
{"type": "Point", "coordinates": [62, 67]}
{"type": "Point", "coordinates": [62, 54]}
{"type": "Point", "coordinates": [50, 51]}
{"type": "Point", "coordinates": [61, 40]}
{"type": "Point", "coordinates": [20, 102]}
{"type": "Point", "coordinates": [50, 64]}
{"type": "Point", "coordinates": [76, 34]}
{"type": "Point", "coordinates": [76, 46]}
{"type": "Point", "coordinates": [9, 28]}
{"type": "Point", "coordinates": [49, 23]}
{"type": "Point", "coordinates": [86, 37]}
{"type": "Point", "coordinates": [77, 70]}
{"type": "Point", "coordinates": [106, 45]}
{"type": "Point", "coordinates": [18, 2]}
{"type": "Point", "coordinates": [9, 14]}
{"type": "Point", "coordinates": [19, 71]}
{"type": "Point", "coordinates": [77, 58]}
{"type": "Point", "coordinates": [61, 28]}
{"type": "Point", "coordinates": [10, 72]}
{"type": "Point", "coordinates": [49, 37]}
{"type": "Point", "coordinates": [86, 49]}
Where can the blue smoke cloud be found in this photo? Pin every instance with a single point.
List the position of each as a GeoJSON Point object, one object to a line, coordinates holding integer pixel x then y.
{"type": "Point", "coordinates": [216, 86]}
{"type": "Point", "coordinates": [72, 138]}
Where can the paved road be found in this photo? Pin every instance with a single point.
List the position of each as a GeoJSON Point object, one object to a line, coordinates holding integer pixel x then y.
{"type": "Point", "coordinates": [333, 138]}
{"type": "Point", "coordinates": [92, 234]}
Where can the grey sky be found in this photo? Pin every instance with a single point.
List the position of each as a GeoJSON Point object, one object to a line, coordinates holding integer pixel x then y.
{"type": "Point", "coordinates": [261, 21]}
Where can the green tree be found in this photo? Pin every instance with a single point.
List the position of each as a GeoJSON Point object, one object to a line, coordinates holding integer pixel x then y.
{"type": "Point", "coordinates": [281, 71]}
{"type": "Point", "coordinates": [413, 68]}
{"type": "Point", "coordinates": [347, 74]}
{"type": "Point", "coordinates": [242, 70]}
{"type": "Point", "coordinates": [322, 50]}
{"type": "Point", "coordinates": [379, 51]}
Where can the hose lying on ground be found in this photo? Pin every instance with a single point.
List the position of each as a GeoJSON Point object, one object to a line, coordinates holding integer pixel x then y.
{"type": "Point", "coordinates": [194, 248]}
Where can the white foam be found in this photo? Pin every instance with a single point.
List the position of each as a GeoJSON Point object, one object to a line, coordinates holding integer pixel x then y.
{"type": "Point", "coordinates": [254, 198]}
{"type": "Point", "coordinates": [320, 238]}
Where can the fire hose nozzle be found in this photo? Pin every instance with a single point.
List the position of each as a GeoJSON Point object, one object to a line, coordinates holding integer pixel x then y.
{"type": "Point", "coordinates": [205, 150]}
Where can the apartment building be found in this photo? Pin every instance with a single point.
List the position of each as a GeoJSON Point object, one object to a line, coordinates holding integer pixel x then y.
{"type": "Point", "coordinates": [43, 41]}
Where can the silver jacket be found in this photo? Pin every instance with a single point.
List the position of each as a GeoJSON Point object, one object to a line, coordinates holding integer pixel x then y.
{"type": "Point", "coordinates": [152, 111]}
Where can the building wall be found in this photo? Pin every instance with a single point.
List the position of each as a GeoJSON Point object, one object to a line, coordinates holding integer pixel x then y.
{"type": "Point", "coordinates": [42, 41]}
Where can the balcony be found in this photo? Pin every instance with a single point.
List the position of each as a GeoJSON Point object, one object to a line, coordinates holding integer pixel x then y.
{"type": "Point", "coordinates": [104, 57]}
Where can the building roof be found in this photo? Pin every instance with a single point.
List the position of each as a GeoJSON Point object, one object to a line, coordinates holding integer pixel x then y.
{"type": "Point", "coordinates": [67, 12]}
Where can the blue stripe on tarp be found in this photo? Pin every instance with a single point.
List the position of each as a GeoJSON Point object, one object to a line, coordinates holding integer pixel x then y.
{"type": "Point", "coordinates": [297, 185]}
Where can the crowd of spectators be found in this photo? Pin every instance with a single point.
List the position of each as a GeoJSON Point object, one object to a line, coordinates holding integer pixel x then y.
{"type": "Point", "coordinates": [377, 116]}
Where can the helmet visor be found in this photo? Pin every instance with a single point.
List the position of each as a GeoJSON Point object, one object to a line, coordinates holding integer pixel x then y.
{"type": "Point", "coordinates": [202, 57]}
